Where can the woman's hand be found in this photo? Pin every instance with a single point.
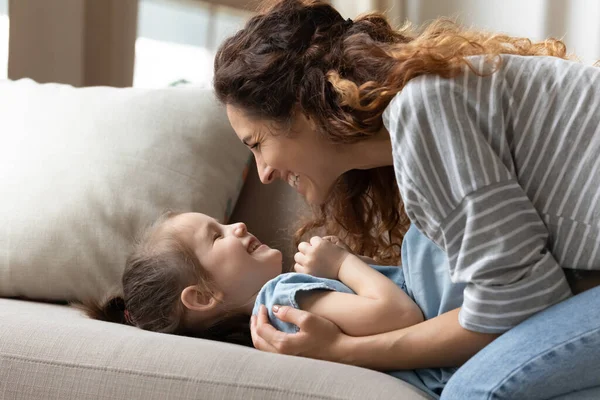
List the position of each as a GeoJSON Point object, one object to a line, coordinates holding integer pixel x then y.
{"type": "Point", "coordinates": [318, 337]}
{"type": "Point", "coordinates": [320, 258]}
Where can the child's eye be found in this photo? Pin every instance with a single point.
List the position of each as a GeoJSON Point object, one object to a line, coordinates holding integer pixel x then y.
{"type": "Point", "coordinates": [216, 236]}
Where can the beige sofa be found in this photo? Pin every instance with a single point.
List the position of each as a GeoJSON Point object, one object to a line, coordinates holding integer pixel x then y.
{"type": "Point", "coordinates": [49, 350]}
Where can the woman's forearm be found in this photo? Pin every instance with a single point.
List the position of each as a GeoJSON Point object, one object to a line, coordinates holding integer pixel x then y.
{"type": "Point", "coordinates": [438, 342]}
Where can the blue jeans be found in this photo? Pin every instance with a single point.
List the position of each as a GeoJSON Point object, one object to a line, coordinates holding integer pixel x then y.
{"type": "Point", "coordinates": [553, 355]}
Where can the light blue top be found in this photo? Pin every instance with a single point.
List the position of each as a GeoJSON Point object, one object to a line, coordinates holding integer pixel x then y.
{"type": "Point", "coordinates": [283, 291]}
{"type": "Point", "coordinates": [424, 276]}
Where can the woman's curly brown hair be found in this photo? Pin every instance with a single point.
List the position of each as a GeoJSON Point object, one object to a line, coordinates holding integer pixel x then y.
{"type": "Point", "coordinates": [301, 56]}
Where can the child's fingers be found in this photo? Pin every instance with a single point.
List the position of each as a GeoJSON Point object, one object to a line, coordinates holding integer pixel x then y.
{"type": "Point", "coordinates": [300, 258]}
{"type": "Point", "coordinates": [315, 240]}
{"type": "Point", "coordinates": [299, 268]}
{"type": "Point", "coordinates": [303, 247]}
{"type": "Point", "coordinates": [332, 239]}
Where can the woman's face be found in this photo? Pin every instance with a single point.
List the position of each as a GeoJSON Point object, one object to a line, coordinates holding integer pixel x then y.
{"type": "Point", "coordinates": [293, 152]}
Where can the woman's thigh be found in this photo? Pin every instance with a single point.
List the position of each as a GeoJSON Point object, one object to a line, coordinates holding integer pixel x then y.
{"type": "Point", "coordinates": [555, 353]}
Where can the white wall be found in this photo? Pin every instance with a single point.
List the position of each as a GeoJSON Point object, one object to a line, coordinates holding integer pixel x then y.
{"type": "Point", "coordinates": [582, 28]}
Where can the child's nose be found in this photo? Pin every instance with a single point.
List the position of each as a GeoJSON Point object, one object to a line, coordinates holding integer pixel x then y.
{"type": "Point", "coordinates": [240, 229]}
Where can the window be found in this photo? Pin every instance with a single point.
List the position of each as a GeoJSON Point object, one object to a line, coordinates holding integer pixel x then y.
{"type": "Point", "coordinates": [177, 40]}
{"type": "Point", "coordinates": [3, 39]}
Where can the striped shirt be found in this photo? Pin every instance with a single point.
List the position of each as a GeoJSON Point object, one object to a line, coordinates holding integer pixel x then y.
{"type": "Point", "coordinates": [502, 172]}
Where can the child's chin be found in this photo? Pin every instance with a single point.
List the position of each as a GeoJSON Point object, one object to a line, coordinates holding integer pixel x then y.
{"type": "Point", "coordinates": [278, 255]}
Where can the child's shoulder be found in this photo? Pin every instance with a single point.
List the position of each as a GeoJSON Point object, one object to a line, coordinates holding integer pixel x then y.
{"type": "Point", "coordinates": [282, 289]}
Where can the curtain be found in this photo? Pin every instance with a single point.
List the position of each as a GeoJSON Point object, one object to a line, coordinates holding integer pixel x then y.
{"type": "Point", "coordinates": [575, 21]}
{"type": "Point", "coordinates": [80, 42]}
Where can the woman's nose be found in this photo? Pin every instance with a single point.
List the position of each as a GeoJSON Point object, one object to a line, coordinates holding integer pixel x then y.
{"type": "Point", "coordinates": [265, 173]}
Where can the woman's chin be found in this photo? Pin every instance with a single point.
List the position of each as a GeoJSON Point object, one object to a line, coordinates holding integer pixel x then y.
{"type": "Point", "coordinates": [313, 197]}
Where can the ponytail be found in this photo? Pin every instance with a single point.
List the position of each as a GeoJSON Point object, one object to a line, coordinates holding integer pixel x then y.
{"type": "Point", "coordinates": [112, 310]}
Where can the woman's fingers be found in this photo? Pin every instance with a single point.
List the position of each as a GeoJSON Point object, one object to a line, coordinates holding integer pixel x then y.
{"type": "Point", "coordinates": [292, 315]}
{"type": "Point", "coordinates": [255, 323]}
{"type": "Point", "coordinates": [267, 337]}
{"type": "Point", "coordinates": [315, 338]}
{"type": "Point", "coordinates": [253, 333]}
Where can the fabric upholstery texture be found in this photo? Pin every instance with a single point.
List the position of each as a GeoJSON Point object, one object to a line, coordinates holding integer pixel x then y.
{"type": "Point", "coordinates": [53, 352]}
{"type": "Point", "coordinates": [85, 170]}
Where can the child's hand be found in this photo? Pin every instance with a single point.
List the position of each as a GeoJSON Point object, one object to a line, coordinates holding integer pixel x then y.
{"type": "Point", "coordinates": [337, 241]}
{"type": "Point", "coordinates": [320, 258]}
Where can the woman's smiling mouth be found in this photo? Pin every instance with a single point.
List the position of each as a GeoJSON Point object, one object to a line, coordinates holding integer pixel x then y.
{"type": "Point", "coordinates": [292, 179]}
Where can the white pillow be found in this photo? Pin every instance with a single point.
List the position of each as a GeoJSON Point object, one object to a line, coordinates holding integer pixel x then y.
{"type": "Point", "coordinates": [82, 171]}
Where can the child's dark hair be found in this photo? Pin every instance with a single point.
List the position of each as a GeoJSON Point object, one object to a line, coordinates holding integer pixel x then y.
{"type": "Point", "coordinates": [159, 268]}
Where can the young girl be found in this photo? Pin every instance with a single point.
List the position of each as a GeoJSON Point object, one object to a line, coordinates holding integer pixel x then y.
{"type": "Point", "coordinates": [193, 276]}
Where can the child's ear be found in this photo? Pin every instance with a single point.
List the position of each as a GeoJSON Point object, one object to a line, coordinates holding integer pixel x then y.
{"type": "Point", "coordinates": [193, 299]}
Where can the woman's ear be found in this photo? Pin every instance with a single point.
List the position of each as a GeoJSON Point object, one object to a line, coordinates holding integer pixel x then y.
{"type": "Point", "coordinates": [195, 300]}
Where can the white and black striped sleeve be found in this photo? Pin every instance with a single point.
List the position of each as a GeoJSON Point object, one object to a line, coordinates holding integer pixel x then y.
{"type": "Point", "coordinates": [461, 193]}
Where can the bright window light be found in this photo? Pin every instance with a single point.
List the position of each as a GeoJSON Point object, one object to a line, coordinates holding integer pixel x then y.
{"type": "Point", "coordinates": [177, 41]}
{"type": "Point", "coordinates": [159, 64]}
{"type": "Point", "coordinates": [3, 46]}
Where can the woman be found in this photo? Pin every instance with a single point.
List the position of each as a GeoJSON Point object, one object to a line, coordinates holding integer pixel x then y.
{"type": "Point", "coordinates": [486, 143]}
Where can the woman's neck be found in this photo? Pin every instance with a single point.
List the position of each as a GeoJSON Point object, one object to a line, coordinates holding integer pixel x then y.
{"type": "Point", "coordinates": [373, 152]}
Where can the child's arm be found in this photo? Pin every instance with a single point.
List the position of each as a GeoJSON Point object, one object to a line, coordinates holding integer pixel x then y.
{"type": "Point", "coordinates": [379, 304]}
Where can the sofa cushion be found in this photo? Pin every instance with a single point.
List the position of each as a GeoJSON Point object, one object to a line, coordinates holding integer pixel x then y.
{"type": "Point", "coordinates": [84, 170]}
{"type": "Point", "coordinates": [53, 352]}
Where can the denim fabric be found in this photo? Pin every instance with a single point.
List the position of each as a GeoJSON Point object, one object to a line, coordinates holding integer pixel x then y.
{"type": "Point", "coordinates": [553, 355]}
{"type": "Point", "coordinates": [427, 276]}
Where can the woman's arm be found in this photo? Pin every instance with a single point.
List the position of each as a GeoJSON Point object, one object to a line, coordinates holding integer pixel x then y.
{"type": "Point", "coordinates": [378, 306]}
{"type": "Point", "coordinates": [438, 342]}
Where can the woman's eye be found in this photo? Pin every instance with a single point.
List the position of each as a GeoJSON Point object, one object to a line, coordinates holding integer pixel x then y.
{"type": "Point", "coordinates": [254, 146]}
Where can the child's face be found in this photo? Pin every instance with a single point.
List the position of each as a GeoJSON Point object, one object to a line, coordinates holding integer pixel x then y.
{"type": "Point", "coordinates": [238, 263]}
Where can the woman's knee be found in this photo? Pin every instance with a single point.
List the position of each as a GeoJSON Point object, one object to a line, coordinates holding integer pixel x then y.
{"type": "Point", "coordinates": [553, 353]}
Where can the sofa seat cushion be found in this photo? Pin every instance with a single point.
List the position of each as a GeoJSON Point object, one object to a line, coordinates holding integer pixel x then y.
{"type": "Point", "coordinates": [53, 352]}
